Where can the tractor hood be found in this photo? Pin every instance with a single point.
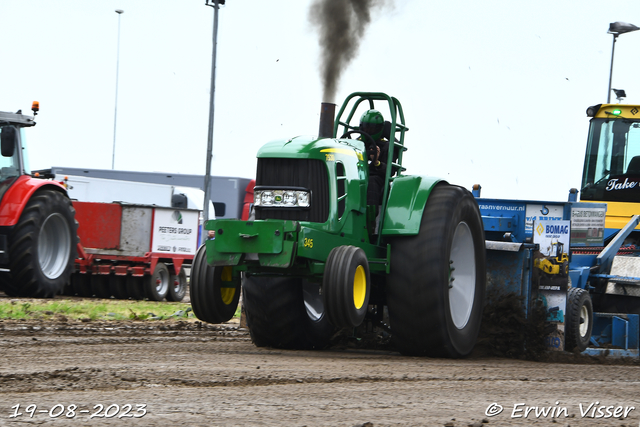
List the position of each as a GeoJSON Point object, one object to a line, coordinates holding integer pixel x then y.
{"type": "Point", "coordinates": [310, 147]}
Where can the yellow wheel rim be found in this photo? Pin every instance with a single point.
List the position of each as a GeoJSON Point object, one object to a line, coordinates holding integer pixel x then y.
{"type": "Point", "coordinates": [227, 289]}
{"type": "Point", "coordinates": [359, 287]}
{"type": "Point", "coordinates": [227, 274]}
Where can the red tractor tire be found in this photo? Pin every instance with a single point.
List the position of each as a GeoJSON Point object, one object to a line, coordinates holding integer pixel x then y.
{"type": "Point", "coordinates": [42, 247]}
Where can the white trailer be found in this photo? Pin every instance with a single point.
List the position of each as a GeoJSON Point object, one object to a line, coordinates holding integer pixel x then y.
{"type": "Point", "coordinates": [99, 190]}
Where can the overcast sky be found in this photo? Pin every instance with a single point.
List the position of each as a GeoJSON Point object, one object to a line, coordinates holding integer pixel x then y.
{"type": "Point", "coordinates": [494, 92]}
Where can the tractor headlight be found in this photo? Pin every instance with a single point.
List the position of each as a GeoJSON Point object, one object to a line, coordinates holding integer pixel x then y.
{"type": "Point", "coordinates": [266, 198]}
{"type": "Point", "coordinates": [285, 198]}
{"type": "Point", "coordinates": [303, 198]}
{"type": "Point", "coordinates": [289, 198]}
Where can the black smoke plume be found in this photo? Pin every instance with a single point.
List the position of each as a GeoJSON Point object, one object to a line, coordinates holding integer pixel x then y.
{"type": "Point", "coordinates": [341, 24]}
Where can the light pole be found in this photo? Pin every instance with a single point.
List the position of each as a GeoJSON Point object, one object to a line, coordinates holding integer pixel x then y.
{"type": "Point", "coordinates": [115, 114]}
{"type": "Point", "coordinates": [207, 176]}
{"type": "Point", "coordinates": [617, 28]}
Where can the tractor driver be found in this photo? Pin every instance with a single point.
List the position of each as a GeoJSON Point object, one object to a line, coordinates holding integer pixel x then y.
{"type": "Point", "coordinates": [372, 123]}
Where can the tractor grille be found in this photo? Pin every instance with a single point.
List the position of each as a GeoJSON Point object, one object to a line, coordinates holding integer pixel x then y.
{"type": "Point", "coordinates": [307, 173]}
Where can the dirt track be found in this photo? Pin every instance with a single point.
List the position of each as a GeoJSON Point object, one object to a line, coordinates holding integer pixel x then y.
{"type": "Point", "coordinates": [192, 374]}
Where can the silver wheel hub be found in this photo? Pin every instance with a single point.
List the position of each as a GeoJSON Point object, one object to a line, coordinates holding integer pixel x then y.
{"type": "Point", "coordinates": [162, 282]}
{"type": "Point", "coordinates": [54, 246]}
{"type": "Point", "coordinates": [462, 275]}
{"type": "Point", "coordinates": [584, 321]}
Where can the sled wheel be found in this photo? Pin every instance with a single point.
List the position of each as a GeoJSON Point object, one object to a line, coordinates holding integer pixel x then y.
{"type": "Point", "coordinates": [177, 286]}
{"type": "Point", "coordinates": [118, 286]}
{"type": "Point", "coordinates": [285, 312]}
{"type": "Point", "coordinates": [346, 286]}
{"type": "Point", "coordinates": [579, 320]}
{"type": "Point", "coordinates": [81, 285]}
{"type": "Point", "coordinates": [100, 286]}
{"type": "Point", "coordinates": [42, 247]}
{"type": "Point", "coordinates": [215, 291]}
{"type": "Point", "coordinates": [135, 287]}
{"type": "Point", "coordinates": [157, 285]}
{"type": "Point", "coordinates": [436, 287]}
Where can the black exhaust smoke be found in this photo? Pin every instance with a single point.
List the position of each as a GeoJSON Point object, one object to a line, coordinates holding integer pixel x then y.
{"type": "Point", "coordinates": [327, 114]}
{"type": "Point", "coordinates": [341, 25]}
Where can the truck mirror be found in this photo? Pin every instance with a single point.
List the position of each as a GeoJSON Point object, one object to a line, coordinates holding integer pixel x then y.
{"type": "Point", "coordinates": [8, 140]}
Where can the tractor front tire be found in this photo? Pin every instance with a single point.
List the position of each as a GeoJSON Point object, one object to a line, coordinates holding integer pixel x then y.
{"type": "Point", "coordinates": [346, 286]}
{"type": "Point", "coordinates": [436, 288]}
{"type": "Point", "coordinates": [579, 320]}
{"type": "Point", "coordinates": [42, 247]}
{"type": "Point", "coordinates": [215, 292]}
{"type": "Point", "coordinates": [285, 312]}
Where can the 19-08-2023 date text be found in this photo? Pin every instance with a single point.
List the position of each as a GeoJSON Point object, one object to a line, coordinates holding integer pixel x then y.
{"type": "Point", "coordinates": [128, 410]}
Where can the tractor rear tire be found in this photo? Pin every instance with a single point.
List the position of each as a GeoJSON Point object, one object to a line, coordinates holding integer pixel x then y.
{"type": "Point", "coordinates": [68, 289]}
{"type": "Point", "coordinates": [214, 291]}
{"type": "Point", "coordinates": [42, 247]}
{"type": "Point", "coordinates": [177, 286]}
{"type": "Point", "coordinates": [157, 285]}
{"type": "Point", "coordinates": [579, 320]}
{"type": "Point", "coordinates": [436, 288]}
{"type": "Point", "coordinates": [5, 279]}
{"type": "Point", "coordinates": [285, 312]}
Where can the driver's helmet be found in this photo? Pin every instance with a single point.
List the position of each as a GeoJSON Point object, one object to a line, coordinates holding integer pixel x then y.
{"type": "Point", "coordinates": [372, 123]}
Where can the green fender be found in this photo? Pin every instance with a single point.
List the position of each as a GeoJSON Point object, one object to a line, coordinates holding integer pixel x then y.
{"type": "Point", "coordinates": [407, 200]}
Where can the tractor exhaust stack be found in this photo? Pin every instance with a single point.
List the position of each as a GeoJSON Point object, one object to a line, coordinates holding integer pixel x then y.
{"type": "Point", "coordinates": [327, 114]}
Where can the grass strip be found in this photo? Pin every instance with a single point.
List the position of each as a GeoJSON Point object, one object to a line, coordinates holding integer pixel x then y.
{"type": "Point", "coordinates": [89, 309]}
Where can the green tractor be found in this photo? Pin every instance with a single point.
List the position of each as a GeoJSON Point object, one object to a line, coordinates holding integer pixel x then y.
{"type": "Point", "coordinates": [319, 256]}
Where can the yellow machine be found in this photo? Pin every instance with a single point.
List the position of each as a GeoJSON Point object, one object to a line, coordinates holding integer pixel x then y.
{"type": "Point", "coordinates": [558, 265]}
{"type": "Point", "coordinates": [612, 163]}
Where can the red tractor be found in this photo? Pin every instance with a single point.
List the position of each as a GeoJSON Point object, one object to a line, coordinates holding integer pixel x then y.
{"type": "Point", "coordinates": [38, 230]}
